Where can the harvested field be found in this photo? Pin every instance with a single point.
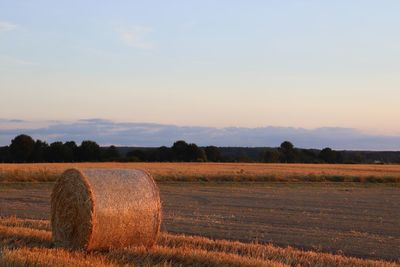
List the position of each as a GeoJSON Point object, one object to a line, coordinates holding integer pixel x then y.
{"type": "Point", "coordinates": [32, 246]}
{"type": "Point", "coordinates": [218, 172]}
{"type": "Point", "coordinates": [353, 220]}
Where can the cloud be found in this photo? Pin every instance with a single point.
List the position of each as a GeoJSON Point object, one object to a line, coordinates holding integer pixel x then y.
{"type": "Point", "coordinates": [135, 36]}
{"type": "Point", "coordinates": [151, 134]}
{"type": "Point", "coordinates": [7, 60]}
{"type": "Point", "coordinates": [96, 121]}
{"type": "Point", "coordinates": [11, 121]}
{"type": "Point", "coordinates": [6, 26]}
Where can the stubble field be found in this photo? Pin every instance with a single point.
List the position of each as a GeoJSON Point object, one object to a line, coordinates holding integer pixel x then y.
{"type": "Point", "coordinates": [218, 172]}
{"type": "Point", "coordinates": [336, 223]}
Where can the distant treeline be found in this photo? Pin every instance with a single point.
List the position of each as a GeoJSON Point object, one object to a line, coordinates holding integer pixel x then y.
{"type": "Point", "coordinates": [24, 148]}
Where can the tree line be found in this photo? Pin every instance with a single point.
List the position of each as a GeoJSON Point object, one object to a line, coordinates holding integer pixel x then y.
{"type": "Point", "coordinates": [24, 148]}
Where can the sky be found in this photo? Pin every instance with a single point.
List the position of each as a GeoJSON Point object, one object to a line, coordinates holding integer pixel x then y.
{"type": "Point", "coordinates": [287, 63]}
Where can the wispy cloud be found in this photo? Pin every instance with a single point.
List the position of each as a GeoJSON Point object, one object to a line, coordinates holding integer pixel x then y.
{"type": "Point", "coordinates": [6, 26]}
{"type": "Point", "coordinates": [7, 60]}
{"type": "Point", "coordinates": [135, 36]}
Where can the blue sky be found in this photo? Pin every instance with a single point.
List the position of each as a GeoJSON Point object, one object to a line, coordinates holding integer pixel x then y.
{"type": "Point", "coordinates": [203, 63]}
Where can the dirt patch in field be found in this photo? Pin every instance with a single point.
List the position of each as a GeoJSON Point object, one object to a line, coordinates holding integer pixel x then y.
{"type": "Point", "coordinates": [354, 220]}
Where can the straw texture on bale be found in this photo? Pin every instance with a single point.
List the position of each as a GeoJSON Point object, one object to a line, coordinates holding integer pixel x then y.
{"type": "Point", "coordinates": [105, 208]}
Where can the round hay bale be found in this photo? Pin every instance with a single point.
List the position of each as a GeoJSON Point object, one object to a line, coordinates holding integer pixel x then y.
{"type": "Point", "coordinates": [105, 208]}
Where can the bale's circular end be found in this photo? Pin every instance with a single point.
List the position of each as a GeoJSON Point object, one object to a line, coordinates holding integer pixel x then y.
{"type": "Point", "coordinates": [72, 210]}
{"type": "Point", "coordinates": [105, 208]}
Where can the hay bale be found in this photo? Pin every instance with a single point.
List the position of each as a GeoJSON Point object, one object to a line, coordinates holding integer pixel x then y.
{"type": "Point", "coordinates": [105, 208]}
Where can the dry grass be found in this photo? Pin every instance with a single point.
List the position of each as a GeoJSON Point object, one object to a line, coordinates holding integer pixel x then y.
{"type": "Point", "coordinates": [44, 257]}
{"type": "Point", "coordinates": [218, 172]}
{"type": "Point", "coordinates": [290, 256]}
{"type": "Point", "coordinates": [23, 246]}
{"type": "Point", "coordinates": [13, 221]}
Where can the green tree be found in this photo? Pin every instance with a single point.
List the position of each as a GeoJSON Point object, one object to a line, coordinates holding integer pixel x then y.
{"type": "Point", "coordinates": [89, 151]}
{"type": "Point", "coordinates": [307, 155]}
{"type": "Point", "coordinates": [357, 157]}
{"type": "Point", "coordinates": [179, 149]}
{"type": "Point", "coordinates": [71, 151]}
{"type": "Point", "coordinates": [163, 154]}
{"type": "Point", "coordinates": [21, 148]}
{"type": "Point", "coordinates": [40, 151]}
{"type": "Point", "coordinates": [327, 155]}
{"type": "Point", "coordinates": [196, 153]}
{"type": "Point", "coordinates": [5, 154]}
{"type": "Point", "coordinates": [110, 154]}
{"type": "Point", "coordinates": [183, 151]}
{"type": "Point", "coordinates": [287, 152]}
{"type": "Point", "coordinates": [213, 153]}
{"type": "Point", "coordinates": [57, 152]}
{"type": "Point", "coordinates": [270, 156]}
{"type": "Point", "coordinates": [136, 155]}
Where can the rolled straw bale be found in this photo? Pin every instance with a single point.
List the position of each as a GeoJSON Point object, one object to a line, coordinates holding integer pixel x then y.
{"type": "Point", "coordinates": [105, 208]}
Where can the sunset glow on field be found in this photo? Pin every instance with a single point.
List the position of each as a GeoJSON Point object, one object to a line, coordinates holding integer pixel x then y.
{"type": "Point", "coordinates": [199, 133]}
